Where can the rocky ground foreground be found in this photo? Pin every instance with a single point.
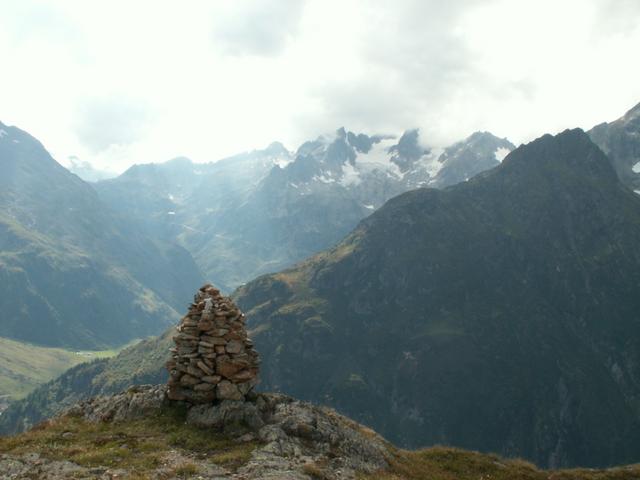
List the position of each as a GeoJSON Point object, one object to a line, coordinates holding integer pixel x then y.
{"type": "Point", "coordinates": [270, 436]}
{"type": "Point", "coordinates": [139, 434]}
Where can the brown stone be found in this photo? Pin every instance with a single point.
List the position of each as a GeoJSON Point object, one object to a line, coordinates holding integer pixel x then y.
{"type": "Point", "coordinates": [218, 332]}
{"type": "Point", "coordinates": [204, 387]}
{"type": "Point", "coordinates": [212, 379]}
{"type": "Point", "coordinates": [202, 366]}
{"type": "Point", "coordinates": [190, 330]}
{"type": "Point", "coordinates": [189, 380]}
{"type": "Point", "coordinates": [244, 375]}
{"type": "Point", "coordinates": [228, 369]}
{"type": "Point", "coordinates": [234, 346]}
{"type": "Point", "coordinates": [220, 349]}
{"type": "Point", "coordinates": [204, 326]}
{"type": "Point", "coordinates": [212, 340]}
{"type": "Point", "coordinates": [195, 372]}
{"type": "Point", "coordinates": [225, 390]}
{"type": "Point", "coordinates": [234, 335]}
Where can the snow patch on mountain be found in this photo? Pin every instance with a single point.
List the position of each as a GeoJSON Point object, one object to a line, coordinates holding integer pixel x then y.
{"type": "Point", "coordinates": [3, 133]}
{"type": "Point", "coordinates": [282, 162]}
{"type": "Point", "coordinates": [431, 163]}
{"type": "Point", "coordinates": [323, 178]}
{"type": "Point", "coordinates": [636, 168]}
{"type": "Point", "coordinates": [350, 175]}
{"type": "Point", "coordinates": [501, 153]}
{"type": "Point", "coordinates": [378, 158]}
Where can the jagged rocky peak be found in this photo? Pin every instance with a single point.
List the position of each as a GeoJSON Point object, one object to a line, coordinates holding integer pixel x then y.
{"type": "Point", "coordinates": [213, 358]}
{"type": "Point", "coordinates": [620, 140]}
{"type": "Point", "coordinates": [465, 159]}
{"type": "Point", "coordinates": [408, 150]}
{"type": "Point", "coordinates": [276, 148]}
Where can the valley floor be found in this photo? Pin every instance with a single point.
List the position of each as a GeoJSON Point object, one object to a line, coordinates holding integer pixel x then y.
{"type": "Point", "coordinates": [24, 366]}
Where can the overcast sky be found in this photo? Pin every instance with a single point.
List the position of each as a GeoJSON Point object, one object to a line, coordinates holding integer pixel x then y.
{"type": "Point", "coordinates": [122, 82]}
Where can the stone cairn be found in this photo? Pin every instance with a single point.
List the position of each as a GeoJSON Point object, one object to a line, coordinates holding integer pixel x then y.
{"type": "Point", "coordinates": [213, 358]}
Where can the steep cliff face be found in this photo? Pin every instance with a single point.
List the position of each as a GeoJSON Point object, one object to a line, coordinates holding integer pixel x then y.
{"type": "Point", "coordinates": [499, 314]}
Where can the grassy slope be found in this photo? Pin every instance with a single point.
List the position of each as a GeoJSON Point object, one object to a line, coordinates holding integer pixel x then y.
{"type": "Point", "coordinates": [23, 366]}
{"type": "Point", "coordinates": [139, 446]}
{"type": "Point", "coordinates": [445, 463]}
{"type": "Point", "coordinates": [142, 446]}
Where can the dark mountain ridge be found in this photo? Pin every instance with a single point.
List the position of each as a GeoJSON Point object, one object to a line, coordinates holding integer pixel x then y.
{"type": "Point", "coordinates": [498, 314]}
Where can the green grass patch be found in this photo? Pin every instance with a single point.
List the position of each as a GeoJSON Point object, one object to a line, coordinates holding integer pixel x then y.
{"type": "Point", "coordinates": [139, 446]}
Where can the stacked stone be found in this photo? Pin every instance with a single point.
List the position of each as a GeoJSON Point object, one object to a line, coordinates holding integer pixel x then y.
{"type": "Point", "coordinates": [213, 358]}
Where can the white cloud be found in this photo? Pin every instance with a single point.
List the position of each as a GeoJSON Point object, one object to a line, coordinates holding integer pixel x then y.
{"type": "Point", "coordinates": [111, 121]}
{"type": "Point", "coordinates": [122, 82]}
{"type": "Point", "coordinates": [256, 27]}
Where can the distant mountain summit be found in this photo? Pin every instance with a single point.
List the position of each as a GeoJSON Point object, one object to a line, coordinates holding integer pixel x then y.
{"type": "Point", "coordinates": [87, 172]}
{"type": "Point", "coordinates": [464, 160]}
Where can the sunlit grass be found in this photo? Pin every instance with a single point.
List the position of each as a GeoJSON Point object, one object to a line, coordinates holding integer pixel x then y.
{"type": "Point", "coordinates": [139, 446]}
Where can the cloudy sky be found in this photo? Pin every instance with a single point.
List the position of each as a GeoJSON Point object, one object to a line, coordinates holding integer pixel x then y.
{"type": "Point", "coordinates": [123, 82]}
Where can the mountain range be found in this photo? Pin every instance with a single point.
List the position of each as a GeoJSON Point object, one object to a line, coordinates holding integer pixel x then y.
{"type": "Point", "coordinates": [264, 210]}
{"type": "Point", "coordinates": [496, 314]}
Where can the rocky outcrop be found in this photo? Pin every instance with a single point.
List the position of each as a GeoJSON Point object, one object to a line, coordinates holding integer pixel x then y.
{"type": "Point", "coordinates": [136, 402]}
{"type": "Point", "coordinates": [292, 436]}
{"type": "Point", "coordinates": [213, 358]}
